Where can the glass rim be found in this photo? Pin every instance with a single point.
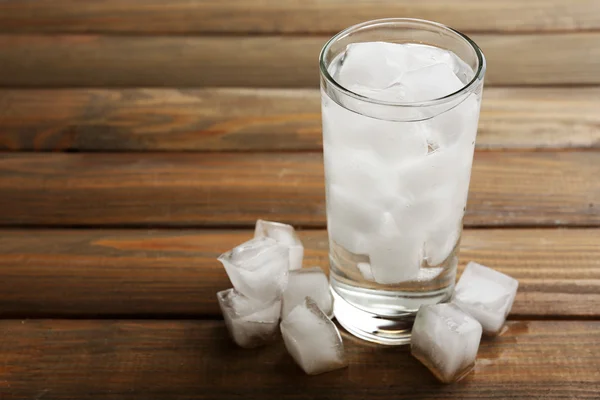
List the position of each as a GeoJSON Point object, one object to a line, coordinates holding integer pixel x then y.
{"type": "Point", "coordinates": [441, 100]}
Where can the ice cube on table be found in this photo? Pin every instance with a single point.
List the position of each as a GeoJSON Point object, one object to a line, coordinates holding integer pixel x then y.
{"type": "Point", "coordinates": [307, 282]}
{"type": "Point", "coordinates": [250, 323]}
{"type": "Point", "coordinates": [285, 235]}
{"type": "Point", "coordinates": [487, 295]}
{"type": "Point", "coordinates": [445, 339]}
{"type": "Point", "coordinates": [258, 268]}
{"type": "Point", "coordinates": [312, 339]}
{"type": "Point", "coordinates": [431, 82]}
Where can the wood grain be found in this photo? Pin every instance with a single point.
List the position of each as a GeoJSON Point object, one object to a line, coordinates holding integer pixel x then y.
{"type": "Point", "coordinates": [539, 118]}
{"type": "Point", "coordinates": [58, 359]}
{"type": "Point", "coordinates": [31, 60]}
{"type": "Point", "coordinates": [290, 16]}
{"type": "Point", "coordinates": [121, 273]}
{"type": "Point", "coordinates": [262, 119]}
{"type": "Point", "coordinates": [234, 189]}
{"type": "Point", "coordinates": [160, 119]}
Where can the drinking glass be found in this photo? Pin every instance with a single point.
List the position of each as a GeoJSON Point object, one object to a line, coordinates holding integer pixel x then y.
{"type": "Point", "coordinates": [397, 178]}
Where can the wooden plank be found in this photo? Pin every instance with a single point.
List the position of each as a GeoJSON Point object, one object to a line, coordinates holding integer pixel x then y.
{"type": "Point", "coordinates": [234, 189]}
{"type": "Point", "coordinates": [539, 118]}
{"type": "Point", "coordinates": [262, 119]}
{"type": "Point", "coordinates": [31, 60]}
{"type": "Point", "coordinates": [58, 359]}
{"type": "Point", "coordinates": [290, 16]}
{"type": "Point", "coordinates": [66, 273]}
{"type": "Point", "coordinates": [160, 119]}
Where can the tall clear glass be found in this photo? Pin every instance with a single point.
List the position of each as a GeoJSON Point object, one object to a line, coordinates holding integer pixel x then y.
{"type": "Point", "coordinates": [397, 178]}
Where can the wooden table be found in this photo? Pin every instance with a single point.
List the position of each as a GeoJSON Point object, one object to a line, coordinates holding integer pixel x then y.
{"type": "Point", "coordinates": [142, 138]}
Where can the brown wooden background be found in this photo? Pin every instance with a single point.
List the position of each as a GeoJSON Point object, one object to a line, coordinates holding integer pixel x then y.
{"type": "Point", "coordinates": [141, 138]}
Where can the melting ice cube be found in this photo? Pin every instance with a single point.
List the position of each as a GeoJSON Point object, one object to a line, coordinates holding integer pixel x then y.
{"type": "Point", "coordinates": [487, 295]}
{"type": "Point", "coordinates": [307, 282]}
{"type": "Point", "coordinates": [286, 236]}
{"type": "Point", "coordinates": [312, 339]}
{"type": "Point", "coordinates": [258, 268]}
{"type": "Point", "coordinates": [445, 339]}
{"type": "Point", "coordinates": [251, 323]}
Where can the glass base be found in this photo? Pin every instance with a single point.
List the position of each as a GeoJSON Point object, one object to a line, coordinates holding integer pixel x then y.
{"type": "Point", "coordinates": [371, 327]}
{"type": "Point", "coordinates": [387, 328]}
